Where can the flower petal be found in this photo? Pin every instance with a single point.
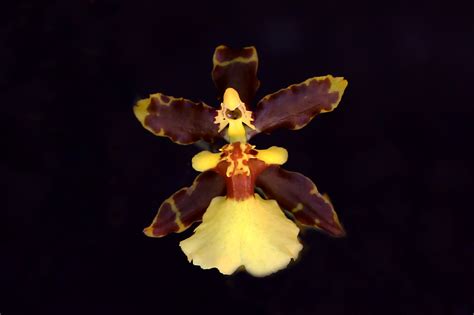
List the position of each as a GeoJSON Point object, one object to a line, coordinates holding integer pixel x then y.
{"type": "Point", "coordinates": [179, 119]}
{"type": "Point", "coordinates": [296, 106]}
{"type": "Point", "coordinates": [299, 195]}
{"type": "Point", "coordinates": [253, 233]}
{"type": "Point", "coordinates": [187, 205]}
{"type": "Point", "coordinates": [236, 68]}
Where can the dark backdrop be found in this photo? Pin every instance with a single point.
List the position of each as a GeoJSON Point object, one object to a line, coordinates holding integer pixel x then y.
{"type": "Point", "coordinates": [83, 178]}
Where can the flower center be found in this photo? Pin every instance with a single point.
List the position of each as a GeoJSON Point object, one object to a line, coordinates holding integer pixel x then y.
{"type": "Point", "coordinates": [234, 114]}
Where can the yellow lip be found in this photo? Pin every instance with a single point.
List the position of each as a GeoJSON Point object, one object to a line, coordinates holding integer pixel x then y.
{"type": "Point", "coordinates": [253, 233]}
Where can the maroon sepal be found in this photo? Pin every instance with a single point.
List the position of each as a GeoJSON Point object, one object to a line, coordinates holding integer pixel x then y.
{"type": "Point", "coordinates": [236, 68]}
{"type": "Point", "coordinates": [187, 205]}
{"type": "Point", "coordinates": [297, 194]}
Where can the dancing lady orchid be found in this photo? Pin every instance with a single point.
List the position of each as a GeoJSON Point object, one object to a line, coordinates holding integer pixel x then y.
{"type": "Point", "coordinates": [239, 227]}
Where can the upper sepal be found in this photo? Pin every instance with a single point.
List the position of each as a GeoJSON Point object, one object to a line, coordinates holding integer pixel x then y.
{"type": "Point", "coordinates": [179, 119]}
{"type": "Point", "coordinates": [298, 194]}
{"type": "Point", "coordinates": [187, 205]}
{"type": "Point", "coordinates": [295, 106]}
{"type": "Point", "coordinates": [236, 68]}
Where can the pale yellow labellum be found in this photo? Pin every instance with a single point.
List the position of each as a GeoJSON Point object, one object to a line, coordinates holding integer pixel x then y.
{"type": "Point", "coordinates": [253, 233]}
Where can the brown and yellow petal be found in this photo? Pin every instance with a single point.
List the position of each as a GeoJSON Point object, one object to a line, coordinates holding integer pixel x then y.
{"type": "Point", "coordinates": [298, 194]}
{"type": "Point", "coordinates": [187, 205]}
{"type": "Point", "coordinates": [295, 106]}
{"type": "Point", "coordinates": [236, 68]}
{"type": "Point", "coordinates": [179, 119]}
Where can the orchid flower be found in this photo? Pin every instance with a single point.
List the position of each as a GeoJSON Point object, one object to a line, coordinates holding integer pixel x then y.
{"type": "Point", "coordinates": [239, 227]}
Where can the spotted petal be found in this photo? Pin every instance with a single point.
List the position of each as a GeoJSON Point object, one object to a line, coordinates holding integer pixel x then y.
{"type": "Point", "coordinates": [236, 68]}
{"type": "Point", "coordinates": [298, 194]}
{"type": "Point", "coordinates": [179, 119]}
{"type": "Point", "coordinates": [187, 205]}
{"type": "Point", "coordinates": [295, 106]}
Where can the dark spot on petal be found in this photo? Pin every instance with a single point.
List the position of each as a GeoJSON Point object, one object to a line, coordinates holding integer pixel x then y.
{"type": "Point", "coordinates": [154, 106]}
{"type": "Point", "coordinates": [165, 98]}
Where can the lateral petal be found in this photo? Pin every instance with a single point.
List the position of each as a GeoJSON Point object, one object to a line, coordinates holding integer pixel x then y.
{"type": "Point", "coordinates": [298, 194]}
{"type": "Point", "coordinates": [179, 119]}
{"type": "Point", "coordinates": [295, 106]}
{"type": "Point", "coordinates": [186, 206]}
{"type": "Point", "coordinates": [236, 68]}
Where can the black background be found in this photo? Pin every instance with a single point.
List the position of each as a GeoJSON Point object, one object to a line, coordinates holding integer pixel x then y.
{"type": "Point", "coordinates": [83, 178]}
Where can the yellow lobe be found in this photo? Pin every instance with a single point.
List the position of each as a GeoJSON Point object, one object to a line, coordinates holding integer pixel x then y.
{"type": "Point", "coordinates": [253, 233]}
{"type": "Point", "coordinates": [273, 155]}
{"type": "Point", "coordinates": [231, 99]}
{"type": "Point", "coordinates": [205, 160]}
